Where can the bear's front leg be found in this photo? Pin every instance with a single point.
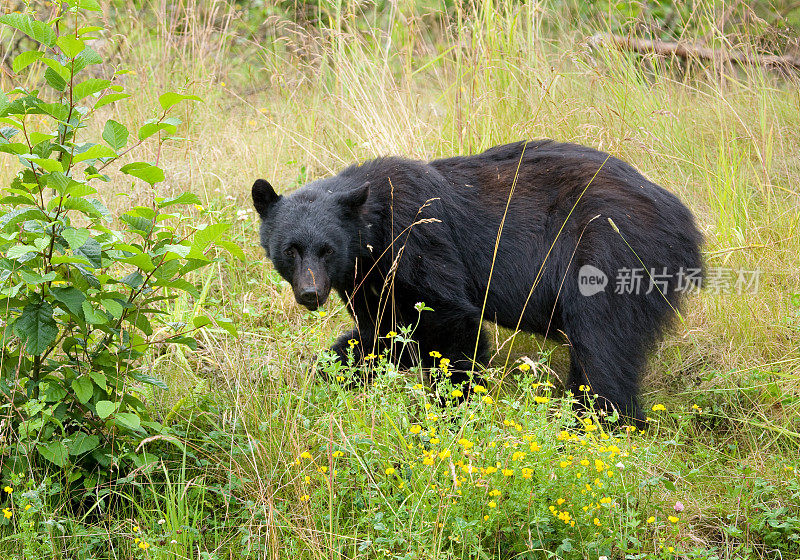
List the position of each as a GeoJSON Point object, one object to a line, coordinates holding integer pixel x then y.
{"type": "Point", "coordinates": [342, 347]}
{"type": "Point", "coordinates": [457, 338]}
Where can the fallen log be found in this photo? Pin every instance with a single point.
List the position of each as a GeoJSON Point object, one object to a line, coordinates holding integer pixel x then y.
{"type": "Point", "coordinates": [688, 51]}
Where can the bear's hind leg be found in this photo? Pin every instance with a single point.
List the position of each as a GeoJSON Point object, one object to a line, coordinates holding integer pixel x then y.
{"type": "Point", "coordinates": [607, 357]}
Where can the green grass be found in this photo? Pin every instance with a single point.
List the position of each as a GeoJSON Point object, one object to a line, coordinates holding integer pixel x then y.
{"type": "Point", "coordinates": [303, 103]}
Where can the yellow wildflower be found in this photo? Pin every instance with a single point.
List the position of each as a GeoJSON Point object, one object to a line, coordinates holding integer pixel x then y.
{"type": "Point", "coordinates": [527, 473]}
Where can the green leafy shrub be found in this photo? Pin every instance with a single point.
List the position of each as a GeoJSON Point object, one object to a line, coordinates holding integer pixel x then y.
{"type": "Point", "coordinates": [82, 290]}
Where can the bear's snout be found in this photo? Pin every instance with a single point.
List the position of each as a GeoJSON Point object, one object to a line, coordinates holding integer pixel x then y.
{"type": "Point", "coordinates": [312, 285]}
{"type": "Point", "coordinates": [311, 298]}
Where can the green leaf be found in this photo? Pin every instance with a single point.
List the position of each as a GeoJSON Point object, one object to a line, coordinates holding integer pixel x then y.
{"type": "Point", "coordinates": [36, 30]}
{"type": "Point", "coordinates": [93, 316]}
{"type": "Point", "coordinates": [70, 46]}
{"type": "Point", "coordinates": [58, 111]}
{"type": "Point", "coordinates": [128, 420]}
{"type": "Point", "coordinates": [9, 220]}
{"type": "Point", "coordinates": [105, 409]}
{"type": "Point", "coordinates": [183, 198]}
{"type": "Point", "coordinates": [14, 148]}
{"type": "Point", "coordinates": [58, 69]}
{"type": "Point", "coordinates": [179, 284]}
{"type": "Point", "coordinates": [64, 185]}
{"type": "Point", "coordinates": [204, 237]}
{"type": "Point", "coordinates": [17, 251]}
{"type": "Point", "coordinates": [71, 298]}
{"type": "Point", "coordinates": [92, 5]}
{"type": "Point", "coordinates": [115, 134]}
{"type": "Point", "coordinates": [87, 57]}
{"type": "Point", "coordinates": [179, 251]}
{"type": "Point", "coordinates": [54, 451]}
{"type": "Point", "coordinates": [83, 205]}
{"type": "Point", "coordinates": [83, 443]}
{"type": "Point", "coordinates": [201, 321]}
{"type": "Point", "coordinates": [99, 379]}
{"type": "Point", "coordinates": [232, 248]}
{"type": "Point", "coordinates": [36, 327]}
{"type": "Point", "coordinates": [75, 237]}
{"type": "Point", "coordinates": [112, 306]}
{"type": "Point", "coordinates": [142, 323]}
{"type": "Point", "coordinates": [170, 98]}
{"type": "Point", "coordinates": [54, 80]}
{"type": "Point", "coordinates": [194, 263]}
{"type": "Point", "coordinates": [49, 165]}
{"type": "Point", "coordinates": [142, 260]}
{"type": "Point", "coordinates": [89, 29]}
{"type": "Point", "coordinates": [25, 59]}
{"type": "Point", "coordinates": [92, 250]}
{"type": "Point", "coordinates": [144, 378]}
{"type": "Point", "coordinates": [94, 152]}
{"type": "Point", "coordinates": [84, 388]}
{"type": "Point", "coordinates": [148, 129]}
{"type": "Point", "coordinates": [227, 325]}
{"type": "Point", "coordinates": [144, 171]}
{"type": "Point", "coordinates": [110, 98]}
{"type": "Point", "coordinates": [89, 87]}
{"type": "Point", "coordinates": [33, 278]}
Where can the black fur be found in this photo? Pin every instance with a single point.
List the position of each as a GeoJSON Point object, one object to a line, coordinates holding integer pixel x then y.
{"type": "Point", "coordinates": [400, 231]}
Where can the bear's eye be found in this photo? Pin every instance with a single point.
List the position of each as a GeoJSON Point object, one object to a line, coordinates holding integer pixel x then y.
{"type": "Point", "coordinates": [290, 252]}
{"type": "Point", "coordinates": [327, 251]}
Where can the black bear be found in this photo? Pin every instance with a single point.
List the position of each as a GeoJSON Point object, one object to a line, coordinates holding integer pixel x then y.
{"type": "Point", "coordinates": [549, 238]}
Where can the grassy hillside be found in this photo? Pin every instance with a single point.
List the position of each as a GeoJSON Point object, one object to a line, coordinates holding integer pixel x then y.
{"type": "Point", "coordinates": [279, 463]}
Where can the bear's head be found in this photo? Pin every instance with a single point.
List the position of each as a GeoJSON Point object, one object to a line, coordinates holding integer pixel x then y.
{"type": "Point", "coordinates": [312, 235]}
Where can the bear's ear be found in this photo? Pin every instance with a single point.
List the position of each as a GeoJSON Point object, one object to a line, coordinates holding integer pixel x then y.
{"type": "Point", "coordinates": [264, 196]}
{"type": "Point", "coordinates": [355, 198]}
